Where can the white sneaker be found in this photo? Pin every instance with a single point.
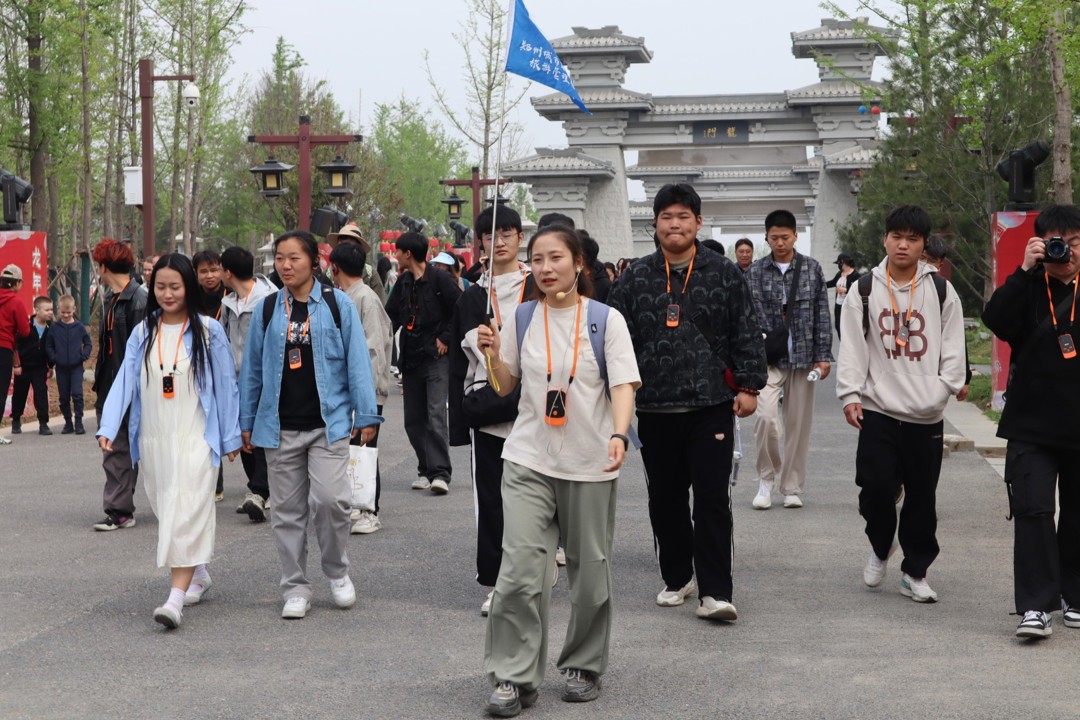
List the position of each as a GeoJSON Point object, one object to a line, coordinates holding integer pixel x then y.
{"type": "Point", "coordinates": [354, 515]}
{"type": "Point", "coordinates": [674, 598]}
{"type": "Point", "coordinates": [343, 591]}
{"type": "Point", "coordinates": [295, 608]}
{"type": "Point", "coordinates": [917, 589]}
{"type": "Point", "coordinates": [792, 501]}
{"type": "Point", "coordinates": [196, 590]}
{"type": "Point", "coordinates": [560, 556]}
{"type": "Point", "coordinates": [716, 609]}
{"type": "Point", "coordinates": [421, 484]}
{"type": "Point", "coordinates": [168, 616]}
{"type": "Point", "coordinates": [1035, 625]}
{"type": "Point", "coordinates": [439, 486]}
{"type": "Point", "coordinates": [367, 523]}
{"type": "Point", "coordinates": [485, 607]}
{"type": "Point", "coordinates": [763, 499]}
{"type": "Point", "coordinates": [874, 572]}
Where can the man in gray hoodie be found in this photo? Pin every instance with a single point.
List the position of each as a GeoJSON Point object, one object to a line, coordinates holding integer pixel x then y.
{"type": "Point", "coordinates": [901, 358]}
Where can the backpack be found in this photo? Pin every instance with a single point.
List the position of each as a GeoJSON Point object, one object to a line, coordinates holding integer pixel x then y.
{"type": "Point", "coordinates": [596, 321]}
{"type": "Point", "coordinates": [867, 280]}
{"type": "Point", "coordinates": [327, 295]}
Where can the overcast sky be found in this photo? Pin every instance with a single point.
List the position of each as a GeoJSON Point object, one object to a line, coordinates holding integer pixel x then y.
{"type": "Point", "coordinates": [699, 47]}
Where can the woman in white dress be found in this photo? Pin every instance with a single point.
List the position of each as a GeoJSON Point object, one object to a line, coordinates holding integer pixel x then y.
{"type": "Point", "coordinates": [178, 384]}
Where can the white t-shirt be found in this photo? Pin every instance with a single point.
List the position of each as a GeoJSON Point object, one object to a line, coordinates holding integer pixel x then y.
{"type": "Point", "coordinates": [841, 284]}
{"type": "Point", "coordinates": [576, 450]}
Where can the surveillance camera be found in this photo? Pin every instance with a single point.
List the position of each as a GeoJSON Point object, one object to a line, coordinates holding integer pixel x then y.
{"type": "Point", "coordinates": [190, 95]}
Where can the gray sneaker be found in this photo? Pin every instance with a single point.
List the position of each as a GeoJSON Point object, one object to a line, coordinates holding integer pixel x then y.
{"type": "Point", "coordinates": [421, 484]}
{"type": "Point", "coordinates": [581, 686]}
{"type": "Point", "coordinates": [508, 699]}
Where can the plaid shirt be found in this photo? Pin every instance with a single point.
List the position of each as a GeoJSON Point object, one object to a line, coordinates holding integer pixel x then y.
{"type": "Point", "coordinates": [810, 322]}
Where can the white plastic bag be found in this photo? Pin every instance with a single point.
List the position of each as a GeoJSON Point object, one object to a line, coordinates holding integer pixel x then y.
{"type": "Point", "coordinates": [363, 462]}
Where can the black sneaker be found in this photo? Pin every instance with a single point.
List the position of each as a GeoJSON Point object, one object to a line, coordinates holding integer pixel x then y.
{"type": "Point", "coordinates": [253, 505]}
{"type": "Point", "coordinates": [68, 429]}
{"type": "Point", "coordinates": [507, 700]}
{"type": "Point", "coordinates": [16, 427]}
{"type": "Point", "coordinates": [79, 429]}
{"type": "Point", "coordinates": [115, 522]}
{"type": "Point", "coordinates": [1036, 625]}
{"type": "Point", "coordinates": [581, 686]}
{"type": "Point", "coordinates": [44, 429]}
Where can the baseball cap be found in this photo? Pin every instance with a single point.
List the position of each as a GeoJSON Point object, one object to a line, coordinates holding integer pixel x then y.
{"type": "Point", "coordinates": [13, 272]}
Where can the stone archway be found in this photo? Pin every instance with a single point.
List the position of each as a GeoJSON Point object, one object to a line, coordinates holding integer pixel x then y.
{"type": "Point", "coordinates": [745, 154]}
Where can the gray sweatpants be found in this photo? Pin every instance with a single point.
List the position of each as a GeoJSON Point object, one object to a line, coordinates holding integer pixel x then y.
{"type": "Point", "coordinates": [536, 510]}
{"type": "Point", "coordinates": [118, 497]}
{"type": "Point", "coordinates": [304, 466]}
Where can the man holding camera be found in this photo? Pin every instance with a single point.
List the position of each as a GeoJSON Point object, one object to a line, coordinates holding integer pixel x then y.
{"type": "Point", "coordinates": [1035, 312]}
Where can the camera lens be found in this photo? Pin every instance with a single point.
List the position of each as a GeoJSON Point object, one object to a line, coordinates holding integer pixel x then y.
{"type": "Point", "coordinates": [1057, 251]}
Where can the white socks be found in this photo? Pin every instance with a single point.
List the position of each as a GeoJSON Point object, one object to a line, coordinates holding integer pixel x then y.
{"type": "Point", "coordinates": [200, 574]}
{"type": "Point", "coordinates": [176, 599]}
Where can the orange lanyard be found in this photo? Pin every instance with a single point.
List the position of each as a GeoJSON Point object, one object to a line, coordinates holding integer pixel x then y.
{"type": "Point", "coordinates": [495, 299]}
{"type": "Point", "coordinates": [577, 342]}
{"type": "Point", "coordinates": [288, 319]}
{"type": "Point", "coordinates": [690, 269]}
{"type": "Point", "coordinates": [892, 298]}
{"type": "Point", "coordinates": [179, 342]}
{"type": "Point", "coordinates": [1053, 315]}
{"type": "Point", "coordinates": [218, 315]}
{"type": "Point", "coordinates": [112, 314]}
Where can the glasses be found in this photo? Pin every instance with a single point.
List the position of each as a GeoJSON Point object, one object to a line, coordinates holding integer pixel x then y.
{"type": "Point", "coordinates": [505, 236]}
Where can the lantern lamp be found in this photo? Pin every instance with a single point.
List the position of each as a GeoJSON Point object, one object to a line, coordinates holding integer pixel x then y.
{"type": "Point", "coordinates": [270, 177]}
{"type": "Point", "coordinates": [337, 174]}
{"type": "Point", "coordinates": [453, 205]}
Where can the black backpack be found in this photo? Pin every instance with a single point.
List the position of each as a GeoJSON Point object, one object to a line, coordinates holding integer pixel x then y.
{"type": "Point", "coordinates": [867, 281]}
{"type": "Point", "coordinates": [327, 295]}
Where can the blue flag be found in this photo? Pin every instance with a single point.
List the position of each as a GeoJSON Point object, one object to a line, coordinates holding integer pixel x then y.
{"type": "Point", "coordinates": [530, 56]}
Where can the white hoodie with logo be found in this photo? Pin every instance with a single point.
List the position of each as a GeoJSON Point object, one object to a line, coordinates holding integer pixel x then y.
{"type": "Point", "coordinates": [912, 383]}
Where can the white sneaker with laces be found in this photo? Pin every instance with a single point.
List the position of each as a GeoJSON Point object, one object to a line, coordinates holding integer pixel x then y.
{"type": "Point", "coordinates": [917, 589]}
{"type": "Point", "coordinates": [763, 499]}
{"type": "Point", "coordinates": [485, 607]}
{"type": "Point", "coordinates": [674, 598]}
{"type": "Point", "coordinates": [343, 591]}
{"type": "Point", "coordinates": [716, 609]}
{"type": "Point", "coordinates": [421, 484]}
{"type": "Point", "coordinates": [792, 501]}
{"type": "Point", "coordinates": [874, 572]}
{"type": "Point", "coordinates": [367, 523]}
{"type": "Point", "coordinates": [439, 486]}
{"type": "Point", "coordinates": [295, 608]}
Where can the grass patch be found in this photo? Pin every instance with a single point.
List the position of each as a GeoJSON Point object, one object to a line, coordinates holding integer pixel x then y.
{"type": "Point", "coordinates": [978, 346]}
{"type": "Point", "coordinates": [980, 394]}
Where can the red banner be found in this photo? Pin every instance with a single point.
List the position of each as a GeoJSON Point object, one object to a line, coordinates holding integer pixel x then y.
{"type": "Point", "coordinates": [27, 250]}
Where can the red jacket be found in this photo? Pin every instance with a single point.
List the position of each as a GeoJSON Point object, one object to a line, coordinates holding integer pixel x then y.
{"type": "Point", "coordinates": [14, 320]}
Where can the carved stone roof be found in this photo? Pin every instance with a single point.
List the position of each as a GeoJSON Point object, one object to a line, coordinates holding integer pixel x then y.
{"type": "Point", "coordinates": [839, 33]}
{"type": "Point", "coordinates": [749, 174]}
{"type": "Point", "coordinates": [834, 91]}
{"type": "Point", "coordinates": [853, 158]}
{"type": "Point", "coordinates": [558, 163]}
{"type": "Point", "coordinates": [601, 98]}
{"type": "Point", "coordinates": [602, 41]}
{"type": "Point", "coordinates": [643, 171]}
{"type": "Point", "coordinates": [719, 104]}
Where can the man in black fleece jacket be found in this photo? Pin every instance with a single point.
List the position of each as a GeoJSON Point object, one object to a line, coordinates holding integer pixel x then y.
{"type": "Point", "coordinates": [1035, 312]}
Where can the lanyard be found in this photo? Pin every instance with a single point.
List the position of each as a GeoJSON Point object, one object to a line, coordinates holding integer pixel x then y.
{"type": "Point", "coordinates": [892, 298]}
{"type": "Point", "coordinates": [288, 318]}
{"type": "Point", "coordinates": [689, 270]}
{"type": "Point", "coordinates": [1053, 315]}
{"type": "Point", "coordinates": [179, 342]}
{"type": "Point", "coordinates": [112, 314]}
{"type": "Point", "coordinates": [495, 299]}
{"type": "Point", "coordinates": [577, 341]}
{"type": "Point", "coordinates": [218, 315]}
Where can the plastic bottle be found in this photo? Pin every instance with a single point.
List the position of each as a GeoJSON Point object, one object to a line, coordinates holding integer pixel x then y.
{"type": "Point", "coordinates": [814, 375]}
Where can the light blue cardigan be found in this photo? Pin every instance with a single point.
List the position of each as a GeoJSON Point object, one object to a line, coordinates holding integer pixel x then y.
{"type": "Point", "coordinates": [218, 392]}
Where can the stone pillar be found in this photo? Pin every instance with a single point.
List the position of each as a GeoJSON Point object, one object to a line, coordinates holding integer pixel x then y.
{"type": "Point", "coordinates": [835, 205]}
{"type": "Point", "coordinates": [607, 216]}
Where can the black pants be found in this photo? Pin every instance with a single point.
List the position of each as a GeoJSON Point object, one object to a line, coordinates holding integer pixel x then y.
{"type": "Point", "coordinates": [69, 381]}
{"type": "Point", "coordinates": [254, 464]}
{"type": "Point", "coordinates": [892, 453]}
{"type": "Point", "coordinates": [36, 377]}
{"type": "Point", "coordinates": [7, 357]}
{"type": "Point", "coordinates": [837, 311]}
{"type": "Point", "coordinates": [683, 451]}
{"type": "Point", "coordinates": [426, 390]}
{"type": "Point", "coordinates": [374, 444]}
{"type": "Point", "coordinates": [487, 486]}
{"type": "Point", "coordinates": [1046, 562]}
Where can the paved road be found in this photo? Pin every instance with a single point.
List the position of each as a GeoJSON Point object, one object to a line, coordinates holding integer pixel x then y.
{"type": "Point", "coordinates": [77, 639]}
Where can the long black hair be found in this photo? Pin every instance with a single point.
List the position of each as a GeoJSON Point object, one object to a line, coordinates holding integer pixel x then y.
{"type": "Point", "coordinates": [200, 351]}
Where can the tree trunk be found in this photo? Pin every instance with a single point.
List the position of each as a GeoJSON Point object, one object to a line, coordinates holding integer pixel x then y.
{"type": "Point", "coordinates": [87, 159]}
{"type": "Point", "coordinates": [1063, 115]}
{"type": "Point", "coordinates": [35, 93]}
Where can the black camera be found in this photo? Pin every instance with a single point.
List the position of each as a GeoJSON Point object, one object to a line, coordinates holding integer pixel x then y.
{"type": "Point", "coordinates": [1057, 251]}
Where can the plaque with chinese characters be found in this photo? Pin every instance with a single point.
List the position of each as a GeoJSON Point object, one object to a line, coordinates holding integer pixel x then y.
{"type": "Point", "coordinates": [730, 132]}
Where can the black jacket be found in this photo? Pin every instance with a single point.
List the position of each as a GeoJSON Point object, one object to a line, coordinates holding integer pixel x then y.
{"type": "Point", "coordinates": [601, 282]}
{"type": "Point", "coordinates": [68, 346]}
{"type": "Point", "coordinates": [128, 311]}
{"type": "Point", "coordinates": [851, 279]}
{"type": "Point", "coordinates": [1044, 387]}
{"type": "Point", "coordinates": [678, 367]}
{"type": "Point", "coordinates": [429, 302]}
{"type": "Point", "coordinates": [31, 347]}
